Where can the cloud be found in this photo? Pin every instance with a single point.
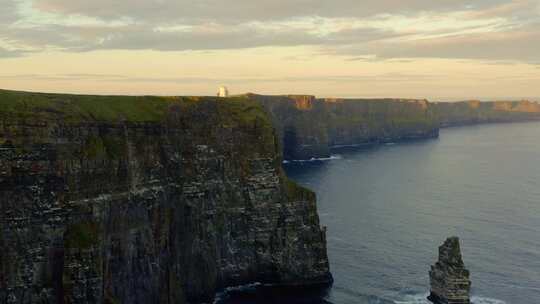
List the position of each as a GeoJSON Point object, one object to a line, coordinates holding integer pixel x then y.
{"type": "Point", "coordinates": [208, 36]}
{"type": "Point", "coordinates": [386, 77]}
{"type": "Point", "coordinates": [515, 8]}
{"type": "Point", "coordinates": [247, 10]}
{"type": "Point", "coordinates": [517, 44]}
{"type": "Point", "coordinates": [8, 53]}
{"type": "Point", "coordinates": [359, 30]}
{"type": "Point", "coordinates": [8, 13]}
{"type": "Point", "coordinates": [200, 38]}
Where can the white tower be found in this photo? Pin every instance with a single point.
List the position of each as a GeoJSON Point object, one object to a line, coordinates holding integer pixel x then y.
{"type": "Point", "coordinates": [223, 92]}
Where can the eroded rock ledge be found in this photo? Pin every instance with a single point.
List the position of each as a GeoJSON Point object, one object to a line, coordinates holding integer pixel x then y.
{"type": "Point", "coordinates": [147, 200]}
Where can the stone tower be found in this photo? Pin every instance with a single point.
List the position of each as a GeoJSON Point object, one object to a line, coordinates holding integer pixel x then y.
{"type": "Point", "coordinates": [449, 278]}
{"type": "Point", "coordinates": [223, 92]}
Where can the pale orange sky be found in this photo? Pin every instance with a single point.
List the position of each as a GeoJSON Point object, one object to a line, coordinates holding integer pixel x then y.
{"type": "Point", "coordinates": [443, 50]}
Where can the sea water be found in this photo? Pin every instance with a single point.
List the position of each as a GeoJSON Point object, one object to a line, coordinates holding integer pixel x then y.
{"type": "Point", "coordinates": [389, 207]}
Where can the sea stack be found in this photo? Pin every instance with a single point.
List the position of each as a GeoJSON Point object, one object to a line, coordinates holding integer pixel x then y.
{"type": "Point", "coordinates": [449, 278]}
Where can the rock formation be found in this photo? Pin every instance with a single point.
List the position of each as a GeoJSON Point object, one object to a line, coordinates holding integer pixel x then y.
{"type": "Point", "coordinates": [449, 278]}
{"type": "Point", "coordinates": [111, 199]}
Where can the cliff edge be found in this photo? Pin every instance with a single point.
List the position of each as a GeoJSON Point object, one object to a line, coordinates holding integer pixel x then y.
{"type": "Point", "coordinates": [116, 199]}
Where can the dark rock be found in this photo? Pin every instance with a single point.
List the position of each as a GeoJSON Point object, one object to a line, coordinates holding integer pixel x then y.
{"type": "Point", "coordinates": [147, 200]}
{"type": "Point", "coordinates": [449, 278]}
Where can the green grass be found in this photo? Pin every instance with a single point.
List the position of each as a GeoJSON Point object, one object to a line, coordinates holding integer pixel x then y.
{"type": "Point", "coordinates": [77, 108]}
{"type": "Point", "coordinates": [82, 107]}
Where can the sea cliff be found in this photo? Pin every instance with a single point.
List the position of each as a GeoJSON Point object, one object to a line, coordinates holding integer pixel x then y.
{"type": "Point", "coordinates": [476, 112]}
{"type": "Point", "coordinates": [310, 127]}
{"type": "Point", "coordinates": [147, 200]}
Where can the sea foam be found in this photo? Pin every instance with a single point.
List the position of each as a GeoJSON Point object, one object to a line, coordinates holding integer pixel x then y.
{"type": "Point", "coordinates": [313, 159]}
{"type": "Point", "coordinates": [422, 299]}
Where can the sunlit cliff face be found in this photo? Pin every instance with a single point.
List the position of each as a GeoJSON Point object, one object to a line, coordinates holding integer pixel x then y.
{"type": "Point", "coordinates": [388, 48]}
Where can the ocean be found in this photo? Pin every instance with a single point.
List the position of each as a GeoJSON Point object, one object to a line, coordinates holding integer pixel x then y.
{"type": "Point", "coordinates": [388, 208]}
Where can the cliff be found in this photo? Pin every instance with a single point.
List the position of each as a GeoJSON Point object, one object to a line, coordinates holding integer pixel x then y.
{"type": "Point", "coordinates": [476, 112]}
{"type": "Point", "coordinates": [147, 200]}
{"type": "Point", "coordinates": [309, 127]}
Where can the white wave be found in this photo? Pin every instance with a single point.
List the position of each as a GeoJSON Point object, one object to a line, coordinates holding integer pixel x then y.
{"type": "Point", "coordinates": [243, 287]}
{"type": "Point", "coordinates": [348, 146]}
{"type": "Point", "coordinates": [482, 300]}
{"type": "Point", "coordinates": [220, 296]}
{"type": "Point", "coordinates": [422, 299]}
{"type": "Point", "coordinates": [414, 299]}
{"type": "Point", "coordinates": [314, 159]}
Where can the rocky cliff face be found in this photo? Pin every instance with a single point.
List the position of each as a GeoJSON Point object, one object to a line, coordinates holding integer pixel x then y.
{"type": "Point", "coordinates": [147, 200]}
{"type": "Point", "coordinates": [449, 278]}
{"type": "Point", "coordinates": [310, 127]}
{"type": "Point", "coordinates": [475, 112]}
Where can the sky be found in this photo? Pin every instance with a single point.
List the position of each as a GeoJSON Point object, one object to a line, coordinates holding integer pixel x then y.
{"type": "Point", "coordinates": [435, 49]}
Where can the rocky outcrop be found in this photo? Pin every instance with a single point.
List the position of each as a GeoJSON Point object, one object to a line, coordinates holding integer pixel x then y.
{"type": "Point", "coordinates": [449, 278]}
{"type": "Point", "coordinates": [475, 112]}
{"type": "Point", "coordinates": [309, 127]}
{"type": "Point", "coordinates": [147, 200]}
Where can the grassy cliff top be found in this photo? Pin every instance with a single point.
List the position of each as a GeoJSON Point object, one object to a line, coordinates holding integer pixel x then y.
{"type": "Point", "coordinates": [80, 108]}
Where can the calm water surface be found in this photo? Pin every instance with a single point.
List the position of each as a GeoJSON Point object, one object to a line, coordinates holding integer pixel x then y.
{"type": "Point", "coordinates": [388, 208]}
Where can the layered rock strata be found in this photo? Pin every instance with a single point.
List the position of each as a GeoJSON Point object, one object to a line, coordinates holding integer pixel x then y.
{"type": "Point", "coordinates": [147, 200]}
{"type": "Point", "coordinates": [449, 279]}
